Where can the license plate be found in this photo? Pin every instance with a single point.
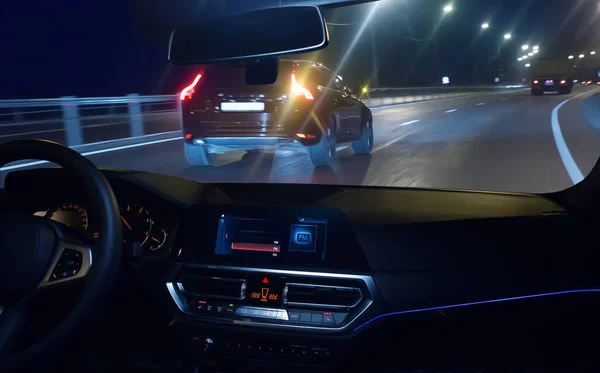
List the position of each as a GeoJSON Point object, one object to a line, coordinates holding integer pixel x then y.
{"type": "Point", "coordinates": [243, 106]}
{"type": "Point", "coordinates": [550, 83]}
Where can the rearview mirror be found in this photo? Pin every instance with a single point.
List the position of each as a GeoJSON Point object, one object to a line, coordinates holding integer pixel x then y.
{"type": "Point", "coordinates": [250, 35]}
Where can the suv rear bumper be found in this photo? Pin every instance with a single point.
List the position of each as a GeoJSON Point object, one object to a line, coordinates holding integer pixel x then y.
{"type": "Point", "coordinates": [221, 145]}
{"type": "Point", "coordinates": [278, 127]}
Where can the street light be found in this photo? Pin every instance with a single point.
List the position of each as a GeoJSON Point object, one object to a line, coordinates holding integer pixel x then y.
{"type": "Point", "coordinates": [530, 54]}
{"type": "Point", "coordinates": [448, 8]}
{"type": "Point", "coordinates": [485, 26]}
{"type": "Point", "coordinates": [581, 55]}
{"type": "Point", "coordinates": [527, 64]}
{"type": "Point", "coordinates": [525, 57]}
{"type": "Point", "coordinates": [535, 51]}
{"type": "Point", "coordinates": [520, 59]}
{"type": "Point", "coordinates": [536, 47]}
{"type": "Point", "coordinates": [507, 36]}
{"type": "Point", "coordinates": [571, 57]}
{"type": "Point", "coordinates": [525, 47]}
{"type": "Point", "coordinates": [593, 52]}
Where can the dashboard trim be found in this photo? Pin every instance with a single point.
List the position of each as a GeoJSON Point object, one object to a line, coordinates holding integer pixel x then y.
{"type": "Point", "coordinates": [368, 281]}
{"type": "Point", "coordinates": [477, 303]}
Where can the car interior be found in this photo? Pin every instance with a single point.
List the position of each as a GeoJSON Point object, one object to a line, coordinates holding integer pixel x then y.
{"type": "Point", "coordinates": [120, 270]}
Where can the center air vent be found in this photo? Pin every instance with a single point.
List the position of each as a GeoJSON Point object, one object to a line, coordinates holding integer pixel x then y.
{"type": "Point", "coordinates": [321, 296]}
{"type": "Point", "coordinates": [213, 287]}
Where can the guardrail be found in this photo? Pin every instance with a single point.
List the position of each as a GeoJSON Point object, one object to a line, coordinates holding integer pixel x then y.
{"type": "Point", "coordinates": [391, 96]}
{"type": "Point", "coordinates": [78, 121]}
{"type": "Point", "coordinates": [75, 121]}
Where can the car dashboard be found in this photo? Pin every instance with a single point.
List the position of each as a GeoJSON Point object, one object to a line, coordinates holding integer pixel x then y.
{"type": "Point", "coordinates": [260, 277]}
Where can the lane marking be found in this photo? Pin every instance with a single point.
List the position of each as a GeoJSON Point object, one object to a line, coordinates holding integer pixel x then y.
{"type": "Point", "coordinates": [481, 103]}
{"type": "Point", "coordinates": [570, 165]}
{"type": "Point", "coordinates": [340, 148]}
{"type": "Point", "coordinates": [85, 154]}
{"type": "Point", "coordinates": [450, 111]}
{"type": "Point", "coordinates": [408, 123]}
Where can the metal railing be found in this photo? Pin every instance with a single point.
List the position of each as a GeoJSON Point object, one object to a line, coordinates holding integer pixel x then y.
{"type": "Point", "coordinates": [75, 121]}
{"type": "Point", "coordinates": [392, 96]}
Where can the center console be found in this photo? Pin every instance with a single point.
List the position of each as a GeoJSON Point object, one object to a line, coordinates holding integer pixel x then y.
{"type": "Point", "coordinates": [285, 268]}
{"type": "Point", "coordinates": [268, 283]}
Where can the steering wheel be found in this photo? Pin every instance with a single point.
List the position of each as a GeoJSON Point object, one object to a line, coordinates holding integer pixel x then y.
{"type": "Point", "coordinates": [37, 254]}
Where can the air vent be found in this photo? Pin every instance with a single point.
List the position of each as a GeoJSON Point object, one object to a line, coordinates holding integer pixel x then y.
{"type": "Point", "coordinates": [321, 296]}
{"type": "Point", "coordinates": [213, 287]}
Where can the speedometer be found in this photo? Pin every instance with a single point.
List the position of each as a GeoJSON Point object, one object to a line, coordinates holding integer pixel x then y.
{"type": "Point", "coordinates": [71, 214]}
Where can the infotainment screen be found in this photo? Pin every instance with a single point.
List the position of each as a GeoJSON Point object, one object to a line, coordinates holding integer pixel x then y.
{"type": "Point", "coordinates": [273, 236]}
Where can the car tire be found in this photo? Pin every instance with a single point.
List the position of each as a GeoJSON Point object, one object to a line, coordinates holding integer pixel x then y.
{"type": "Point", "coordinates": [365, 144]}
{"type": "Point", "coordinates": [323, 153]}
{"type": "Point", "coordinates": [198, 155]}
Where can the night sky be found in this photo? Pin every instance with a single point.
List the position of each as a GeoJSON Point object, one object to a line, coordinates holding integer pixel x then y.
{"type": "Point", "coordinates": [115, 47]}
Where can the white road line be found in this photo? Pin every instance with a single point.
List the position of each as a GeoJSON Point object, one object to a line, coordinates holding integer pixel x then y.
{"type": "Point", "coordinates": [407, 123]}
{"type": "Point", "coordinates": [450, 111]}
{"type": "Point", "coordinates": [481, 103]}
{"type": "Point", "coordinates": [340, 148]}
{"type": "Point", "coordinates": [85, 154]}
{"type": "Point", "coordinates": [570, 165]}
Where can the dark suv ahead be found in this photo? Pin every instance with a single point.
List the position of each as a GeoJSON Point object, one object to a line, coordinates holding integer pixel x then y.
{"type": "Point", "coordinates": [308, 108]}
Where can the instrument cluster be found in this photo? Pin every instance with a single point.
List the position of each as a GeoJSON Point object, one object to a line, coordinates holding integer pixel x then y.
{"type": "Point", "coordinates": [139, 228]}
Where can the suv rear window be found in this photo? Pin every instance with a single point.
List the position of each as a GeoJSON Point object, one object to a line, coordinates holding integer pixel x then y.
{"type": "Point", "coordinates": [227, 77]}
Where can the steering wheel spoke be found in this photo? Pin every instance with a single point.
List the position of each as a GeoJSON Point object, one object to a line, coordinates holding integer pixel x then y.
{"type": "Point", "coordinates": [71, 261]}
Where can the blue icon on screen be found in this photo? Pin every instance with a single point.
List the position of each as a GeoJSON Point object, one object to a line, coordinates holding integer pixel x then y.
{"type": "Point", "coordinates": [303, 237]}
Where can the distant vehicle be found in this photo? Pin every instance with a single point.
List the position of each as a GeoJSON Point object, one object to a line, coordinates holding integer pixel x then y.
{"type": "Point", "coordinates": [551, 76]}
{"type": "Point", "coordinates": [308, 108]}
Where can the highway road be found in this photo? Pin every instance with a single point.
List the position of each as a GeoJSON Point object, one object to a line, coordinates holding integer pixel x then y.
{"type": "Point", "coordinates": [501, 141]}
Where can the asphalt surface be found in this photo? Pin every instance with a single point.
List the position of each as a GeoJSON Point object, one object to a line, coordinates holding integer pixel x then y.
{"type": "Point", "coordinates": [498, 142]}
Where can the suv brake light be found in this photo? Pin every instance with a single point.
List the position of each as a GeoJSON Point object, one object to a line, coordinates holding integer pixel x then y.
{"type": "Point", "coordinates": [190, 89]}
{"type": "Point", "coordinates": [298, 89]}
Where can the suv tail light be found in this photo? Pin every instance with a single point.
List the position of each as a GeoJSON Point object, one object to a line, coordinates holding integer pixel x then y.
{"type": "Point", "coordinates": [188, 91]}
{"type": "Point", "coordinates": [563, 82]}
{"type": "Point", "coordinates": [298, 89]}
{"type": "Point", "coordinates": [536, 81]}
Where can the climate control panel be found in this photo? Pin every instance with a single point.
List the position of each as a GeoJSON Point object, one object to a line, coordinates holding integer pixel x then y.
{"type": "Point", "coordinates": [270, 298]}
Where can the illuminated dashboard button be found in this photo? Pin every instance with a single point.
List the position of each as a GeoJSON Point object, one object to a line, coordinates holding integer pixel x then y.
{"type": "Point", "coordinates": [316, 318]}
{"type": "Point", "coordinates": [328, 318]}
{"type": "Point", "coordinates": [282, 315]}
{"type": "Point", "coordinates": [305, 317]}
{"type": "Point", "coordinates": [294, 316]}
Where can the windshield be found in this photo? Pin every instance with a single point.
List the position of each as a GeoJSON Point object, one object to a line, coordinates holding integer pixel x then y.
{"type": "Point", "coordinates": [495, 95]}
